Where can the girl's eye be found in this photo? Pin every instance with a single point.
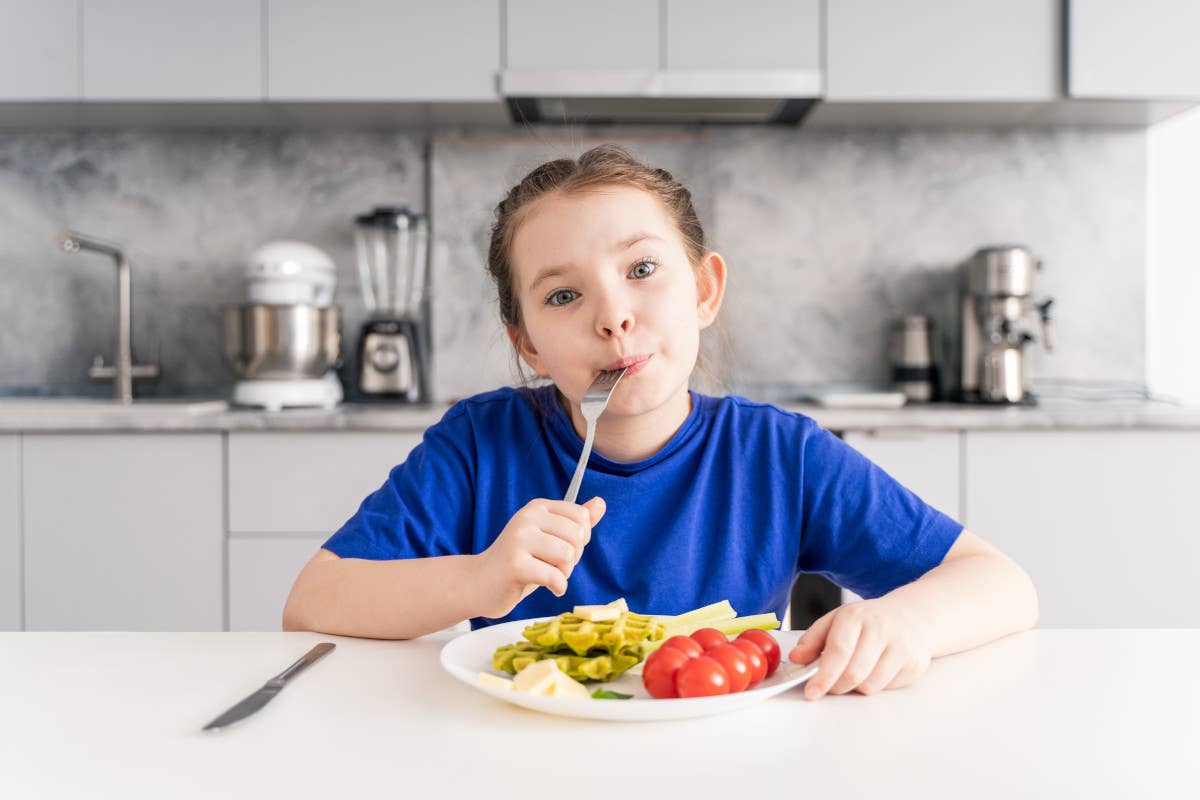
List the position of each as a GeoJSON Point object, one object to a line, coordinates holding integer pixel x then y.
{"type": "Point", "coordinates": [643, 269]}
{"type": "Point", "coordinates": [560, 297]}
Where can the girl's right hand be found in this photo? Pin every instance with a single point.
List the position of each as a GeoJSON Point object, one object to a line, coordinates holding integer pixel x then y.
{"type": "Point", "coordinates": [539, 546]}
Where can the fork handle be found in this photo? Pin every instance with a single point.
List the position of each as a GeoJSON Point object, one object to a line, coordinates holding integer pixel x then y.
{"type": "Point", "coordinates": [577, 478]}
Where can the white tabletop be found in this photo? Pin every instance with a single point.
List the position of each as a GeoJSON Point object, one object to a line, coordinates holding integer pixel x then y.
{"type": "Point", "coordinates": [1049, 713]}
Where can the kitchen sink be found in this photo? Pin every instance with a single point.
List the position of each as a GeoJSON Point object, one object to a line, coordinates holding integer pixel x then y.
{"type": "Point", "coordinates": [107, 407]}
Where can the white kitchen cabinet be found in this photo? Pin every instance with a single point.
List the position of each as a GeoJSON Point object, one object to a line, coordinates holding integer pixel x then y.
{"type": "Point", "coordinates": [10, 532]}
{"type": "Point", "coordinates": [753, 34]}
{"type": "Point", "coordinates": [285, 482]}
{"type": "Point", "coordinates": [262, 570]}
{"type": "Point", "coordinates": [380, 50]}
{"type": "Point", "coordinates": [39, 50]}
{"type": "Point", "coordinates": [1123, 50]}
{"type": "Point", "coordinates": [943, 50]}
{"type": "Point", "coordinates": [123, 531]}
{"type": "Point", "coordinates": [153, 50]}
{"type": "Point", "coordinates": [927, 462]}
{"type": "Point", "coordinates": [579, 34]}
{"type": "Point", "coordinates": [1103, 521]}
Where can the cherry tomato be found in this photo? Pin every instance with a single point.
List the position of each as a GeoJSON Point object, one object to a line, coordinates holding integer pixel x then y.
{"type": "Point", "coordinates": [735, 663]}
{"type": "Point", "coordinates": [701, 677]}
{"type": "Point", "coordinates": [709, 637]}
{"type": "Point", "coordinates": [687, 644]}
{"type": "Point", "coordinates": [658, 674]}
{"type": "Point", "coordinates": [766, 642]}
{"type": "Point", "coordinates": [756, 659]}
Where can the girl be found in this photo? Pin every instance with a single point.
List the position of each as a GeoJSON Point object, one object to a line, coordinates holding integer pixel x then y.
{"type": "Point", "coordinates": [600, 263]}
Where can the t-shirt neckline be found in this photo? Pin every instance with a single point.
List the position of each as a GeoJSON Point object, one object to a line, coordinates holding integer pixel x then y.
{"type": "Point", "coordinates": [573, 443]}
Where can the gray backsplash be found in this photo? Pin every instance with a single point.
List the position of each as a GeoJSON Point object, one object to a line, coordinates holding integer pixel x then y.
{"type": "Point", "coordinates": [828, 234]}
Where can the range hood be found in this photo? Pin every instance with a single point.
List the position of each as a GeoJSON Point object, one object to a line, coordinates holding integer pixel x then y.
{"type": "Point", "coordinates": [730, 96]}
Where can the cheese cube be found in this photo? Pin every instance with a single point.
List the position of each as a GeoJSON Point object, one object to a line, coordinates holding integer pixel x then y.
{"type": "Point", "coordinates": [619, 604]}
{"type": "Point", "coordinates": [537, 678]}
{"type": "Point", "coordinates": [495, 681]}
{"type": "Point", "coordinates": [596, 613]}
{"type": "Point", "coordinates": [566, 686]}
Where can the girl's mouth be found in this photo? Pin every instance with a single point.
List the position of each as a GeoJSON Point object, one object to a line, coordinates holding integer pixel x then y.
{"type": "Point", "coordinates": [632, 364]}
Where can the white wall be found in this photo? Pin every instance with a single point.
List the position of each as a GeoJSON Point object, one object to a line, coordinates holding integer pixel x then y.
{"type": "Point", "coordinates": [1173, 260]}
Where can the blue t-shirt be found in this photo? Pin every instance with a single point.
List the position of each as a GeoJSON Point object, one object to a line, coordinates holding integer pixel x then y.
{"type": "Point", "coordinates": [743, 497]}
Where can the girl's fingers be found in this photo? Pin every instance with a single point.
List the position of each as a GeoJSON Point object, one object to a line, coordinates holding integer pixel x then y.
{"type": "Point", "coordinates": [839, 648]}
{"type": "Point", "coordinates": [862, 662]}
{"type": "Point", "coordinates": [891, 662]}
{"type": "Point", "coordinates": [553, 550]}
{"type": "Point", "coordinates": [566, 529]}
{"type": "Point", "coordinates": [810, 644]}
{"type": "Point", "coordinates": [544, 574]}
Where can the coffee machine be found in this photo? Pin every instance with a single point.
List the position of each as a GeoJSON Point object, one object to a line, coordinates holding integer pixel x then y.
{"type": "Point", "coordinates": [996, 298]}
{"type": "Point", "coordinates": [392, 244]}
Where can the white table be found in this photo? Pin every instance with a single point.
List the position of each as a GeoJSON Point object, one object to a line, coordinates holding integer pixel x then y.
{"type": "Point", "coordinates": [1050, 713]}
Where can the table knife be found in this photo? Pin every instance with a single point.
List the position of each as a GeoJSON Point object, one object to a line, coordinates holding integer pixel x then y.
{"type": "Point", "coordinates": [269, 689]}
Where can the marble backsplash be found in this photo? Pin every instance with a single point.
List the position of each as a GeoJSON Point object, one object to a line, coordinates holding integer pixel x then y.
{"type": "Point", "coordinates": [829, 235]}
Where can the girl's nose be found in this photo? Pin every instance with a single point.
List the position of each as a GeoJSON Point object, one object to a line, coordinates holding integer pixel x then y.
{"type": "Point", "coordinates": [614, 321]}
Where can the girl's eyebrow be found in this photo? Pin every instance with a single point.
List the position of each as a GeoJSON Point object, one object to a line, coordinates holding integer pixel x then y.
{"type": "Point", "coordinates": [624, 244]}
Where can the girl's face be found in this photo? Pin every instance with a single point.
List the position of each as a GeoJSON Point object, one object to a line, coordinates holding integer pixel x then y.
{"type": "Point", "coordinates": [603, 281]}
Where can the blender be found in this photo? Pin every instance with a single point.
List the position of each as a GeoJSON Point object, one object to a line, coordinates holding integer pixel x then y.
{"type": "Point", "coordinates": [391, 246]}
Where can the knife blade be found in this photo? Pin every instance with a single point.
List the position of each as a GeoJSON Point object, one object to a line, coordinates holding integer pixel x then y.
{"type": "Point", "coordinates": [267, 693]}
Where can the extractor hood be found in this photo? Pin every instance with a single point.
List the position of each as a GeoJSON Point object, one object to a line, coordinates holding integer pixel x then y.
{"type": "Point", "coordinates": [731, 96]}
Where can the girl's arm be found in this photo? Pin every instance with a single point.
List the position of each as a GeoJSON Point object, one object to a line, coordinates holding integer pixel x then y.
{"type": "Point", "coordinates": [976, 595]}
{"type": "Point", "coordinates": [406, 598]}
{"type": "Point", "coordinates": [380, 599]}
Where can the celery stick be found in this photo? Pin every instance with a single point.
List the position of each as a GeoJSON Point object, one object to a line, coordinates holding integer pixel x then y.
{"type": "Point", "coordinates": [729, 627]}
{"type": "Point", "coordinates": [721, 610]}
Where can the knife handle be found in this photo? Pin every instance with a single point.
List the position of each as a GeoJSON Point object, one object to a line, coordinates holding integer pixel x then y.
{"type": "Point", "coordinates": [306, 661]}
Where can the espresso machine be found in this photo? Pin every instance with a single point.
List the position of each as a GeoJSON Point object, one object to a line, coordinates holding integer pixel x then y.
{"type": "Point", "coordinates": [391, 246]}
{"type": "Point", "coordinates": [996, 300]}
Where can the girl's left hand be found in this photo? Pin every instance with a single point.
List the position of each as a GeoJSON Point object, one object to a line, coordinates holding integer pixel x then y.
{"type": "Point", "coordinates": [864, 647]}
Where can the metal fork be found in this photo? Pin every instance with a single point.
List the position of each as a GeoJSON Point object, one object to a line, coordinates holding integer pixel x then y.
{"type": "Point", "coordinates": [595, 399]}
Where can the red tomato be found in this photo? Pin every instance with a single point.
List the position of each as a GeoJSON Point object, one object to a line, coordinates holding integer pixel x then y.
{"type": "Point", "coordinates": [658, 674]}
{"type": "Point", "coordinates": [687, 644]}
{"type": "Point", "coordinates": [767, 644]}
{"type": "Point", "coordinates": [701, 677]}
{"type": "Point", "coordinates": [735, 663]}
{"type": "Point", "coordinates": [709, 637]}
{"type": "Point", "coordinates": [754, 656]}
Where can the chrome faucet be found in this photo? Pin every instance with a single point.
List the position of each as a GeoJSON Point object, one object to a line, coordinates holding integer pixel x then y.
{"type": "Point", "coordinates": [122, 371]}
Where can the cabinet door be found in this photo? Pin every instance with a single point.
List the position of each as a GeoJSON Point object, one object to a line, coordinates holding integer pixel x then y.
{"type": "Point", "coordinates": [151, 50]}
{"type": "Point", "coordinates": [382, 50]}
{"type": "Point", "coordinates": [39, 50]}
{"type": "Point", "coordinates": [10, 532]}
{"type": "Point", "coordinates": [123, 532]}
{"type": "Point", "coordinates": [758, 34]}
{"type": "Point", "coordinates": [928, 463]}
{"type": "Point", "coordinates": [1124, 50]}
{"type": "Point", "coordinates": [579, 34]}
{"type": "Point", "coordinates": [942, 50]}
{"type": "Point", "coordinates": [262, 570]}
{"type": "Point", "coordinates": [1103, 521]}
{"type": "Point", "coordinates": [307, 482]}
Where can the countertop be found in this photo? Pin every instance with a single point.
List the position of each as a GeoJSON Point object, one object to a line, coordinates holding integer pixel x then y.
{"type": "Point", "coordinates": [100, 415]}
{"type": "Point", "coordinates": [1047, 713]}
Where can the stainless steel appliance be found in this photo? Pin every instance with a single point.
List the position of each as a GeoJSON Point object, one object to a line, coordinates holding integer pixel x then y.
{"type": "Point", "coordinates": [995, 301]}
{"type": "Point", "coordinates": [914, 371]}
{"type": "Point", "coordinates": [284, 342]}
{"type": "Point", "coordinates": [392, 243]}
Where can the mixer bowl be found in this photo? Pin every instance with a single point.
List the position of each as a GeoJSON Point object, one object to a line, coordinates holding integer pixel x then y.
{"type": "Point", "coordinates": [281, 342]}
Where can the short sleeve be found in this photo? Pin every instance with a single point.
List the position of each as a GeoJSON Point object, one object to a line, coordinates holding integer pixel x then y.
{"type": "Point", "coordinates": [424, 508]}
{"type": "Point", "coordinates": [861, 528]}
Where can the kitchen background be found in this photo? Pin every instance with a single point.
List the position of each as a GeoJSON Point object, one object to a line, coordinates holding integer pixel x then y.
{"type": "Point", "coordinates": [830, 235]}
{"type": "Point", "coordinates": [117, 120]}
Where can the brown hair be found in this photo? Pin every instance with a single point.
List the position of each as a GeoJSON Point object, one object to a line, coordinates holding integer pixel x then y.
{"type": "Point", "coordinates": [603, 165]}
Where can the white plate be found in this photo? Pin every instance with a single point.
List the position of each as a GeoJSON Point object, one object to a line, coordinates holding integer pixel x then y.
{"type": "Point", "coordinates": [468, 655]}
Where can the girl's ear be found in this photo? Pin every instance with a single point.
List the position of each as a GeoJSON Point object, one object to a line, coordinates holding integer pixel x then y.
{"type": "Point", "coordinates": [710, 288]}
{"type": "Point", "coordinates": [521, 344]}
